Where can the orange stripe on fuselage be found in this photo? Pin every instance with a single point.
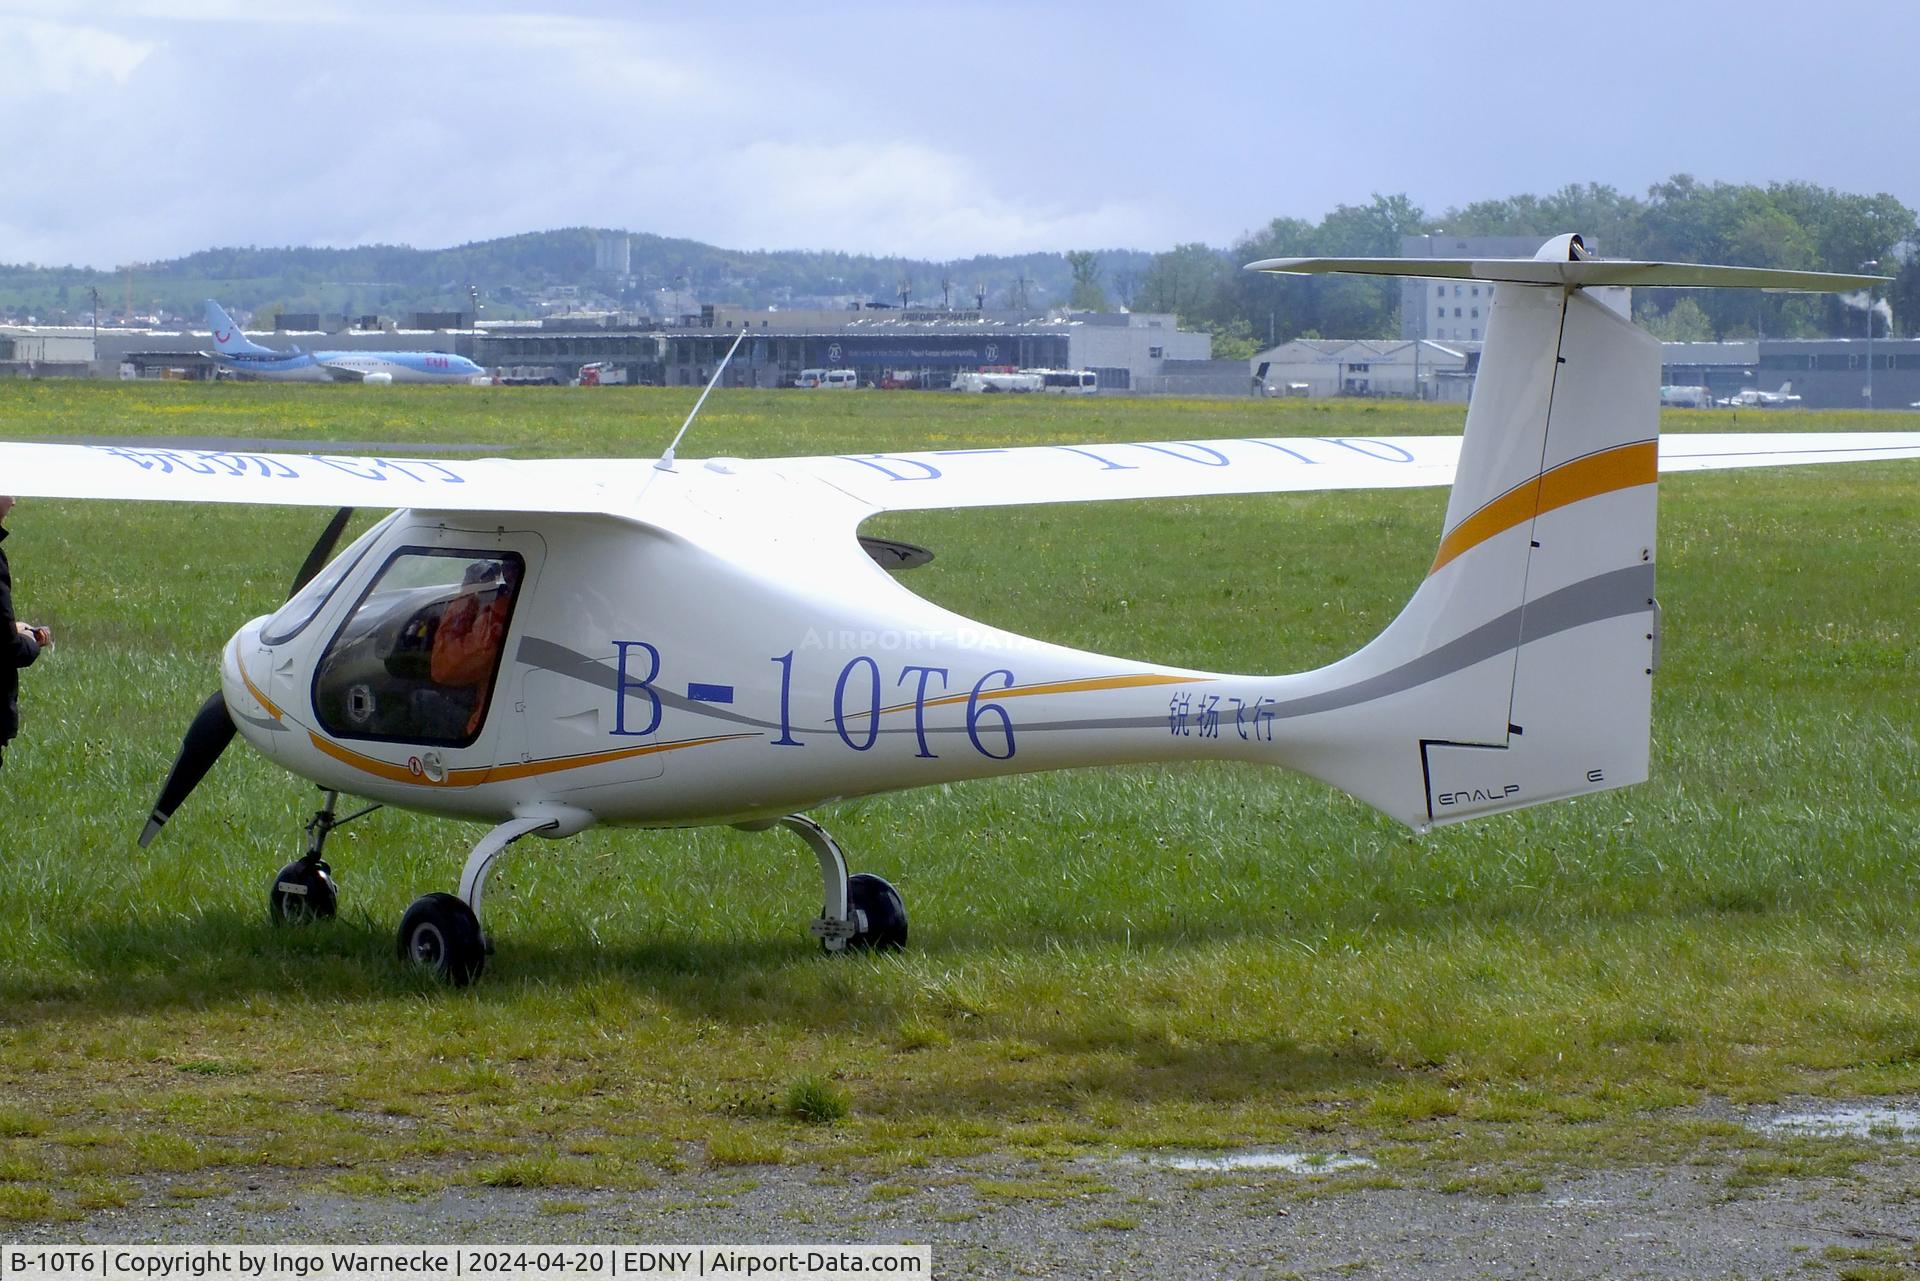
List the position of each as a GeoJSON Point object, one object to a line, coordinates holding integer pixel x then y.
{"type": "Point", "coordinates": [501, 773]}
{"type": "Point", "coordinates": [253, 689]}
{"type": "Point", "coordinates": [1081, 685]}
{"type": "Point", "coordinates": [1621, 467]}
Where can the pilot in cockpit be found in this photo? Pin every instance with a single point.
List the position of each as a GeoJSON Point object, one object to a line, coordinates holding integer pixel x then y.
{"type": "Point", "coordinates": [473, 627]}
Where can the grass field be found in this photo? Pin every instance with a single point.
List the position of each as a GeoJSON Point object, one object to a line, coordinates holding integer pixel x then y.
{"type": "Point", "coordinates": [1108, 960]}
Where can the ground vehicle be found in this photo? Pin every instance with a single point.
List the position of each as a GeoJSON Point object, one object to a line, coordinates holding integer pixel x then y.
{"type": "Point", "coordinates": [528, 376]}
{"type": "Point", "coordinates": [984, 380]}
{"type": "Point", "coordinates": [1067, 382]}
{"type": "Point", "coordinates": [601, 374]}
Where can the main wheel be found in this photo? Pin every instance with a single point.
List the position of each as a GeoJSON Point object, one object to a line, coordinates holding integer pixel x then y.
{"type": "Point", "coordinates": [440, 933]}
{"type": "Point", "coordinates": [302, 892]}
{"type": "Point", "coordinates": [886, 929]}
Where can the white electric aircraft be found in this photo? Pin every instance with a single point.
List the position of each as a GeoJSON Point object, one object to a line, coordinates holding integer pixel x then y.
{"type": "Point", "coordinates": [549, 645]}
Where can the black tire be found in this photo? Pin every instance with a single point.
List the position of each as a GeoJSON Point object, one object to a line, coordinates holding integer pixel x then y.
{"type": "Point", "coordinates": [441, 934]}
{"type": "Point", "coordinates": [302, 892]}
{"type": "Point", "coordinates": [886, 929]}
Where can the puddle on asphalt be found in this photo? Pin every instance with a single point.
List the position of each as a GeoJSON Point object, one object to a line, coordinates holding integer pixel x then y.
{"type": "Point", "coordinates": [1265, 1159]}
{"type": "Point", "coordinates": [1901, 1123]}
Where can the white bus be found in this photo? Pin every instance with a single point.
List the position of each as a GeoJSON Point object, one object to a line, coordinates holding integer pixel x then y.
{"type": "Point", "coordinates": [1067, 382]}
{"type": "Point", "coordinates": [993, 380]}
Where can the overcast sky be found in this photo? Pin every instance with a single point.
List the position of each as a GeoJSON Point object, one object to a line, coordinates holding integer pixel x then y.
{"type": "Point", "coordinates": [144, 129]}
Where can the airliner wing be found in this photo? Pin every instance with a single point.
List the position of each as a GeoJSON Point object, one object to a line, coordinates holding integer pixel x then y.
{"type": "Point", "coordinates": [341, 374]}
{"type": "Point", "coordinates": [1169, 469]}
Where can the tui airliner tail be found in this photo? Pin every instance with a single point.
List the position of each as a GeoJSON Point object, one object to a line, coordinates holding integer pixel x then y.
{"type": "Point", "coordinates": [227, 338]}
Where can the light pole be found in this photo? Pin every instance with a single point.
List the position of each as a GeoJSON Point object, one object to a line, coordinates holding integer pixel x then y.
{"type": "Point", "coordinates": [1871, 264]}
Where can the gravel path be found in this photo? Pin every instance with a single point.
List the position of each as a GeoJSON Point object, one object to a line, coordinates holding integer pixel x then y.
{"type": "Point", "coordinates": [1129, 1218]}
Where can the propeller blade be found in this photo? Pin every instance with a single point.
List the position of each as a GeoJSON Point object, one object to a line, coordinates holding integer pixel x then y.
{"type": "Point", "coordinates": [322, 550]}
{"type": "Point", "coordinates": [207, 737]}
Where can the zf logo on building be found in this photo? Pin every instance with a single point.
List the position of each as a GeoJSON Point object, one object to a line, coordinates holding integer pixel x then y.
{"type": "Point", "coordinates": [833, 353]}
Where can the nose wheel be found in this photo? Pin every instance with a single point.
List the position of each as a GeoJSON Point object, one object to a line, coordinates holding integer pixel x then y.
{"type": "Point", "coordinates": [303, 890]}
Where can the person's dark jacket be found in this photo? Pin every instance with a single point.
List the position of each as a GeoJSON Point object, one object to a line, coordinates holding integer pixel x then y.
{"type": "Point", "coordinates": [16, 652]}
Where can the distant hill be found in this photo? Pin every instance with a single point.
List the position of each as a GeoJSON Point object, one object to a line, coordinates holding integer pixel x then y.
{"type": "Point", "coordinates": [526, 275]}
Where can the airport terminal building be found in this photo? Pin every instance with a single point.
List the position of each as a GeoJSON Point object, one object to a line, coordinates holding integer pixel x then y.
{"type": "Point", "coordinates": [1137, 353]}
{"type": "Point", "coordinates": [884, 345]}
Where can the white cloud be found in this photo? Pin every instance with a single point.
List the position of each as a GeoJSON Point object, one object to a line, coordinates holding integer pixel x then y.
{"type": "Point", "coordinates": [61, 59]}
{"type": "Point", "coordinates": [893, 197]}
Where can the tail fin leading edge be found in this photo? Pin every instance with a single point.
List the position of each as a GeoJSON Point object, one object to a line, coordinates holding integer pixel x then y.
{"type": "Point", "coordinates": [1520, 672]}
{"type": "Point", "coordinates": [227, 338]}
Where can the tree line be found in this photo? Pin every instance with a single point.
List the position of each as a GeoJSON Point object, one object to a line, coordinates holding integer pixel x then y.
{"type": "Point", "coordinates": [1791, 225]}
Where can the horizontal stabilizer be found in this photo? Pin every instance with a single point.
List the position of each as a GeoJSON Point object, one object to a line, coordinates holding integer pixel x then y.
{"type": "Point", "coordinates": [1576, 274]}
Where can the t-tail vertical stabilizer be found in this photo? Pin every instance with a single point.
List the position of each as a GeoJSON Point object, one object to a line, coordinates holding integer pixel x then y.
{"type": "Point", "coordinates": [1522, 669]}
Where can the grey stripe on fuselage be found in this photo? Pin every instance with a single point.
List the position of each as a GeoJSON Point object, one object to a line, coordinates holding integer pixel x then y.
{"type": "Point", "coordinates": [1605, 596]}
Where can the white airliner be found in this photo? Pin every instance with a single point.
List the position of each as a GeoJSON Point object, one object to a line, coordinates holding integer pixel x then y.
{"type": "Point", "coordinates": [233, 350]}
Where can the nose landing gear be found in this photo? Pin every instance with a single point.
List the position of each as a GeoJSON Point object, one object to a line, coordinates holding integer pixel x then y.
{"type": "Point", "coordinates": [303, 890]}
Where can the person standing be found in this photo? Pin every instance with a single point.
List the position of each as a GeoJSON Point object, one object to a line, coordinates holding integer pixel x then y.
{"type": "Point", "coordinates": [20, 644]}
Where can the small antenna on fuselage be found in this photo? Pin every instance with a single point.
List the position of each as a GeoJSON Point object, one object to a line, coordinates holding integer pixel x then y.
{"type": "Point", "coordinates": [666, 459]}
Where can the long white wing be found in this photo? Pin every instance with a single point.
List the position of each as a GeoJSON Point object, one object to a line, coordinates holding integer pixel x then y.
{"type": "Point", "coordinates": [1711, 451]}
{"type": "Point", "coordinates": [308, 480]}
{"type": "Point", "coordinates": [1156, 469]}
{"type": "Point", "coordinates": [884, 482]}
{"type": "Point", "coordinates": [1168, 469]}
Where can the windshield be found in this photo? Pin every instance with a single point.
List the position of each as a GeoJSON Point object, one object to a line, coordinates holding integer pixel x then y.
{"type": "Point", "coordinates": [416, 660]}
{"type": "Point", "coordinates": [292, 618]}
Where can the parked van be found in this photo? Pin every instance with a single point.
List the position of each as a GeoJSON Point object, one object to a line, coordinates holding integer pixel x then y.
{"type": "Point", "coordinates": [841, 378]}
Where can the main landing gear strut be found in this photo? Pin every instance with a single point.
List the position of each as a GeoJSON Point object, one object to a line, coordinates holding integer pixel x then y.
{"type": "Point", "coordinates": [442, 933]}
{"type": "Point", "coordinates": [861, 911]}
